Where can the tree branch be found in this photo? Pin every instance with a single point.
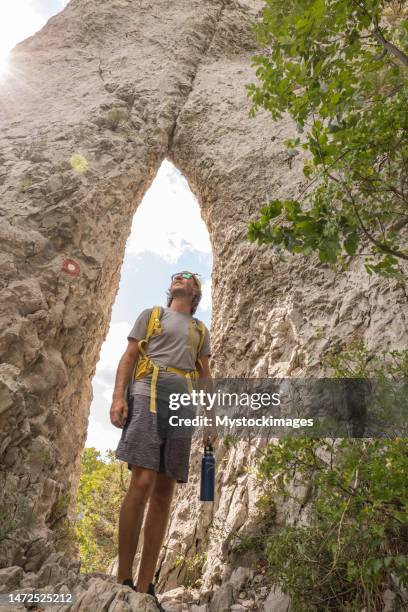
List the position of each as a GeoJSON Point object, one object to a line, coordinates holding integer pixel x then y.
{"type": "Point", "coordinates": [383, 247]}
{"type": "Point", "coordinates": [399, 224]}
{"type": "Point", "coordinates": [378, 35]}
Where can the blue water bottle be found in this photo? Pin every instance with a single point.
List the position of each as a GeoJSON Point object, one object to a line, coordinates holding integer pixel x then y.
{"type": "Point", "coordinates": [207, 473]}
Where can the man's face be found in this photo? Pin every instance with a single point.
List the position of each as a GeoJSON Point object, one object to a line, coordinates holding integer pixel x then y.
{"type": "Point", "coordinates": [181, 286]}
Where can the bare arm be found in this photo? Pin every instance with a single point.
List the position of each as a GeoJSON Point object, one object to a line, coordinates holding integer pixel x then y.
{"type": "Point", "coordinates": [119, 407]}
{"type": "Point", "coordinates": [204, 373]}
{"type": "Point", "coordinates": [206, 383]}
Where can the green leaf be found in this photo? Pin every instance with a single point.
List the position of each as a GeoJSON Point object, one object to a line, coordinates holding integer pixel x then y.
{"type": "Point", "coordinates": [320, 69]}
{"type": "Point", "coordinates": [375, 565]}
{"type": "Point", "coordinates": [274, 209]}
{"type": "Point", "coordinates": [306, 227]}
{"type": "Point", "coordinates": [351, 243]}
{"type": "Point", "coordinates": [292, 208]}
{"type": "Point", "coordinates": [401, 561]}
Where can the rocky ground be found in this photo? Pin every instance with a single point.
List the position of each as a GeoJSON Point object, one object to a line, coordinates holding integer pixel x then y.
{"type": "Point", "coordinates": [101, 593]}
{"type": "Point", "coordinates": [244, 591]}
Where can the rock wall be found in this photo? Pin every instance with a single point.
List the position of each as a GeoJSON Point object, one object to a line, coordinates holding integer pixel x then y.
{"type": "Point", "coordinates": [93, 103]}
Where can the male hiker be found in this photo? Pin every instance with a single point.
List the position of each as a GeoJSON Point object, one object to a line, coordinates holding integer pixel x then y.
{"type": "Point", "coordinates": [171, 349]}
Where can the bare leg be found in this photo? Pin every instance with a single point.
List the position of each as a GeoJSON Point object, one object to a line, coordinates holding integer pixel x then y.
{"type": "Point", "coordinates": [131, 517]}
{"type": "Point", "coordinates": [154, 528]}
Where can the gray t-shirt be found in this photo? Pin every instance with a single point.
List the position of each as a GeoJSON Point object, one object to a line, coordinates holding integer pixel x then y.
{"type": "Point", "coordinates": [172, 347]}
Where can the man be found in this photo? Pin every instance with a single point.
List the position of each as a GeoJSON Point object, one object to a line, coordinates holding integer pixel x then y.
{"type": "Point", "coordinates": [157, 459]}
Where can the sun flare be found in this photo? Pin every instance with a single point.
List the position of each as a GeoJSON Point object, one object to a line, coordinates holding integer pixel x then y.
{"type": "Point", "coordinates": [4, 65]}
{"type": "Point", "coordinates": [18, 20]}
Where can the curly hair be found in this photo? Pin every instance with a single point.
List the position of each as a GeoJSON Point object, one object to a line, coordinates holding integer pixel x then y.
{"type": "Point", "coordinates": [195, 301]}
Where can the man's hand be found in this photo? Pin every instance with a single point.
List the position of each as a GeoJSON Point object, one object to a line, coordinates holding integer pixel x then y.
{"type": "Point", "coordinates": [209, 432]}
{"type": "Point", "coordinates": [206, 383]}
{"type": "Point", "coordinates": [119, 412]}
{"type": "Point", "coordinates": [119, 408]}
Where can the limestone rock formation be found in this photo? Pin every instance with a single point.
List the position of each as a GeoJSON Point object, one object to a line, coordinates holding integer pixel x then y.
{"type": "Point", "coordinates": [92, 592]}
{"type": "Point", "coordinates": [93, 103]}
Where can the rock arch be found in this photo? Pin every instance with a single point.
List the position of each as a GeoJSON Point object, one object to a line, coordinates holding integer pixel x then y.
{"type": "Point", "coordinates": [121, 84]}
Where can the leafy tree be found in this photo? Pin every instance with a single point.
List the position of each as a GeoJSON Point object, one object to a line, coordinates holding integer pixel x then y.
{"type": "Point", "coordinates": [103, 483]}
{"type": "Point", "coordinates": [339, 69]}
{"type": "Point", "coordinates": [356, 543]}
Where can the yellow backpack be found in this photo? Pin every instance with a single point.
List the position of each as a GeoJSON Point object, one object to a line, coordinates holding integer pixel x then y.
{"type": "Point", "coordinates": [146, 365]}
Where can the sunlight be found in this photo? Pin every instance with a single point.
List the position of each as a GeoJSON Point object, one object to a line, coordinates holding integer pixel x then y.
{"type": "Point", "coordinates": [4, 66]}
{"type": "Point", "coordinates": [18, 20]}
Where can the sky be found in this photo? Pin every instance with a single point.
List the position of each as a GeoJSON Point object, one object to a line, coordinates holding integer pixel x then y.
{"type": "Point", "coordinates": [21, 18]}
{"type": "Point", "coordinates": [180, 241]}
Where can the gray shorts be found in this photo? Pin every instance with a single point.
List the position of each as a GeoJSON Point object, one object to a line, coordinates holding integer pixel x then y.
{"type": "Point", "coordinates": [148, 441]}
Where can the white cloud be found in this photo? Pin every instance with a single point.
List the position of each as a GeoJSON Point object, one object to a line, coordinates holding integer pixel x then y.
{"type": "Point", "coordinates": [112, 350]}
{"type": "Point", "coordinates": [205, 303]}
{"type": "Point", "coordinates": [168, 221]}
{"type": "Point", "coordinates": [102, 437]}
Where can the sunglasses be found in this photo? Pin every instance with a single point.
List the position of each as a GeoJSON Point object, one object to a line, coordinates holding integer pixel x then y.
{"type": "Point", "coordinates": [179, 275]}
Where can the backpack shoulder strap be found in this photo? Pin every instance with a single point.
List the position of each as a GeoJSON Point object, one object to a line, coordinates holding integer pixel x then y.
{"type": "Point", "coordinates": [201, 329]}
{"type": "Point", "coordinates": [153, 325]}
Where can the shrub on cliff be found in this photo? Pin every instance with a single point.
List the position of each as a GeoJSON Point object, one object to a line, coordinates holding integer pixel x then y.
{"type": "Point", "coordinates": [356, 543]}
{"type": "Point", "coordinates": [339, 68]}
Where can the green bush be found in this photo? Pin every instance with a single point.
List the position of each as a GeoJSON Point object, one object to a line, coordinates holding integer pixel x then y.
{"type": "Point", "coordinates": [229, 441]}
{"type": "Point", "coordinates": [358, 535]}
{"type": "Point", "coordinates": [356, 544]}
{"type": "Point", "coordinates": [114, 118]}
{"type": "Point", "coordinates": [193, 568]}
{"type": "Point", "coordinates": [101, 489]}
